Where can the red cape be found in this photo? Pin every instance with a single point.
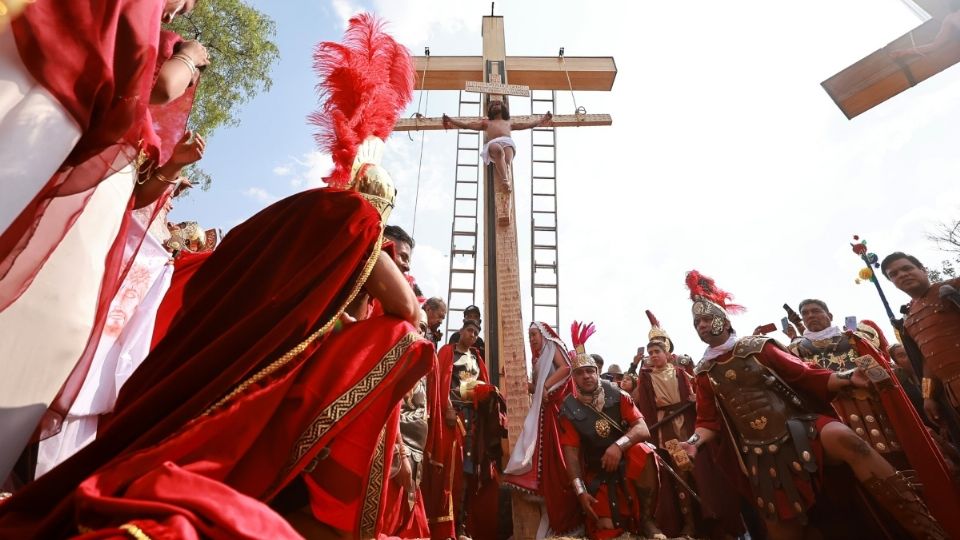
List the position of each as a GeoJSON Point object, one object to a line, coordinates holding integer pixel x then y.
{"type": "Point", "coordinates": [274, 280]}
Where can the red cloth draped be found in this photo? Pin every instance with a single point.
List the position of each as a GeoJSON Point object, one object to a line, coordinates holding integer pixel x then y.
{"type": "Point", "coordinates": [939, 491]}
{"type": "Point", "coordinates": [184, 267]}
{"type": "Point", "coordinates": [155, 130]}
{"type": "Point", "coordinates": [97, 61]}
{"type": "Point", "coordinates": [548, 475]}
{"type": "Point", "coordinates": [208, 476]}
{"type": "Point", "coordinates": [275, 279]}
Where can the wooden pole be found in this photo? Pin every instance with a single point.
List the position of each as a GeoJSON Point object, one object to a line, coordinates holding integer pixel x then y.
{"type": "Point", "coordinates": [502, 292]}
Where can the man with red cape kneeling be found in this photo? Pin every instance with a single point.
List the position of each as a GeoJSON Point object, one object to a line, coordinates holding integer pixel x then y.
{"type": "Point", "coordinates": [258, 397]}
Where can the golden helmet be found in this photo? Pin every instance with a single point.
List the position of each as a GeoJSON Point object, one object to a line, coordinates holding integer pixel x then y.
{"type": "Point", "coordinates": [370, 179]}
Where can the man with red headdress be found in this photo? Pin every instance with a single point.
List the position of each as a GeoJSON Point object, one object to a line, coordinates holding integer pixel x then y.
{"type": "Point", "coordinates": [253, 399]}
{"type": "Point", "coordinates": [536, 463]}
{"type": "Point", "coordinates": [612, 471]}
{"type": "Point", "coordinates": [775, 409]}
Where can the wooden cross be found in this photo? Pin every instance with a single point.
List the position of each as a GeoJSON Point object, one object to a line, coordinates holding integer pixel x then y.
{"type": "Point", "coordinates": [879, 76]}
{"type": "Point", "coordinates": [503, 321]}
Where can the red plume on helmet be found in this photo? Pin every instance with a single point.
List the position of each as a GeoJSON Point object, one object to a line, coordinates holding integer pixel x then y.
{"type": "Point", "coordinates": [580, 333]}
{"type": "Point", "coordinates": [704, 287]}
{"type": "Point", "coordinates": [366, 82]}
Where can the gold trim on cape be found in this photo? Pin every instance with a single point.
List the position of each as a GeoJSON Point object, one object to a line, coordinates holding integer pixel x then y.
{"type": "Point", "coordinates": [371, 495]}
{"type": "Point", "coordinates": [341, 406]}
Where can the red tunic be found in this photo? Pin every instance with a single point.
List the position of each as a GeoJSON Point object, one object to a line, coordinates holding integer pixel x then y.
{"type": "Point", "coordinates": [636, 461]}
{"type": "Point", "coordinates": [250, 302]}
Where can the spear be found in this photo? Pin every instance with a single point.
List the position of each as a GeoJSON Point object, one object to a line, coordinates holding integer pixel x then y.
{"type": "Point", "coordinates": [871, 260]}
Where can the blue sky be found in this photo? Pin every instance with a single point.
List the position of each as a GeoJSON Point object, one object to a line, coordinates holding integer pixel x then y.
{"type": "Point", "coordinates": [725, 154]}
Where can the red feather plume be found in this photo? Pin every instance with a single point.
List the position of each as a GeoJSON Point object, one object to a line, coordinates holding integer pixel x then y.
{"type": "Point", "coordinates": [653, 319]}
{"type": "Point", "coordinates": [703, 286]}
{"type": "Point", "coordinates": [365, 84]}
{"type": "Point", "coordinates": [579, 333]}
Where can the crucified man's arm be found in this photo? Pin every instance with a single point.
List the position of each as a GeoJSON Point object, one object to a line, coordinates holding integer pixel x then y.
{"type": "Point", "coordinates": [478, 125]}
{"type": "Point", "coordinates": [545, 119]}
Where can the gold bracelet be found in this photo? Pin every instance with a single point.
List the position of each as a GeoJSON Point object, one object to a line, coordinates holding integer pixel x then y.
{"type": "Point", "coordinates": [187, 61]}
{"type": "Point", "coordinates": [926, 388]}
{"type": "Point", "coordinates": [165, 180]}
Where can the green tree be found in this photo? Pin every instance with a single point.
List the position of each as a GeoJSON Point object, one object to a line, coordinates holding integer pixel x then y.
{"type": "Point", "coordinates": [239, 41]}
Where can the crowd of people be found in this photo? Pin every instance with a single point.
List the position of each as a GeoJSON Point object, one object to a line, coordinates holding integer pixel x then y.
{"type": "Point", "coordinates": [291, 379]}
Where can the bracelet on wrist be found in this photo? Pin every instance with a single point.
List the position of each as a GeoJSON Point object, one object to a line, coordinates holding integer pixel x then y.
{"type": "Point", "coordinates": [579, 487]}
{"type": "Point", "coordinates": [694, 439]}
{"type": "Point", "coordinates": [187, 61]}
{"type": "Point", "coordinates": [926, 388]}
{"type": "Point", "coordinates": [162, 178]}
{"type": "Point", "coordinates": [623, 443]}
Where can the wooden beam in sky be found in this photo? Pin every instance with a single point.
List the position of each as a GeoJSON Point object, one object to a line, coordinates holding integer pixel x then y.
{"type": "Point", "coordinates": [562, 120]}
{"type": "Point", "coordinates": [878, 76]}
{"type": "Point", "coordinates": [537, 72]}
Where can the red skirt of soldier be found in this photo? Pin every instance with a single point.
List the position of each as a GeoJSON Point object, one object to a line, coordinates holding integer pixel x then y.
{"type": "Point", "coordinates": [637, 458]}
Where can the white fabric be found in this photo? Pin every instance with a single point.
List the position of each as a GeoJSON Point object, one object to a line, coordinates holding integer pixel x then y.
{"type": "Point", "coordinates": [36, 133]}
{"type": "Point", "coordinates": [826, 333]}
{"type": "Point", "coordinates": [501, 141]}
{"type": "Point", "coordinates": [44, 332]}
{"type": "Point", "coordinates": [720, 350]}
{"type": "Point", "coordinates": [124, 344]}
{"type": "Point", "coordinates": [521, 458]}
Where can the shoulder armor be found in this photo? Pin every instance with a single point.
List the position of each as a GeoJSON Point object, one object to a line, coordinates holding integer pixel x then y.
{"type": "Point", "coordinates": [611, 393]}
{"type": "Point", "coordinates": [704, 366]}
{"type": "Point", "coordinates": [572, 408]}
{"type": "Point", "coordinates": [750, 345]}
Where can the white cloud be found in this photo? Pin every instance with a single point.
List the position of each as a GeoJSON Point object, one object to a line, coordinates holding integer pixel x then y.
{"type": "Point", "coordinates": [282, 170]}
{"type": "Point", "coordinates": [260, 195]}
{"type": "Point", "coordinates": [344, 10]}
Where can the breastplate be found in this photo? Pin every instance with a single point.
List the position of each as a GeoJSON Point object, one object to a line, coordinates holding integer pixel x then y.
{"type": "Point", "coordinates": [596, 433]}
{"type": "Point", "coordinates": [835, 353]}
{"type": "Point", "coordinates": [754, 400]}
{"type": "Point", "coordinates": [935, 327]}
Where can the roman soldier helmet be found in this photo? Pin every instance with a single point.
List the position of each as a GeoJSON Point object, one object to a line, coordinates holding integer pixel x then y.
{"type": "Point", "coordinates": [657, 334]}
{"type": "Point", "coordinates": [708, 299]}
{"type": "Point", "coordinates": [579, 333]}
{"type": "Point", "coordinates": [366, 82]}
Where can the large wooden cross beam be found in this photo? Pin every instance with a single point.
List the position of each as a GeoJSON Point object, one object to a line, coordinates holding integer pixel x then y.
{"type": "Point", "coordinates": [883, 74]}
{"type": "Point", "coordinates": [503, 326]}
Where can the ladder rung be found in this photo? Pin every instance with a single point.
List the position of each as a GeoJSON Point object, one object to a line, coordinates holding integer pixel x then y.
{"type": "Point", "coordinates": [464, 233]}
{"type": "Point", "coordinates": [470, 291]}
{"type": "Point", "coordinates": [545, 145]}
{"type": "Point", "coordinates": [466, 181]}
{"type": "Point", "coordinates": [465, 198]}
{"type": "Point", "coordinates": [472, 216]}
{"type": "Point", "coordinates": [464, 251]}
{"type": "Point", "coordinates": [545, 305]}
{"type": "Point", "coordinates": [544, 246]}
{"type": "Point", "coordinates": [543, 211]}
{"type": "Point", "coordinates": [545, 266]}
{"type": "Point", "coordinates": [541, 194]}
{"type": "Point", "coordinates": [543, 178]}
{"type": "Point", "coordinates": [463, 271]}
{"type": "Point", "coordinates": [545, 228]}
{"type": "Point", "coordinates": [544, 160]}
{"type": "Point", "coordinates": [467, 165]}
{"type": "Point", "coordinates": [471, 149]}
